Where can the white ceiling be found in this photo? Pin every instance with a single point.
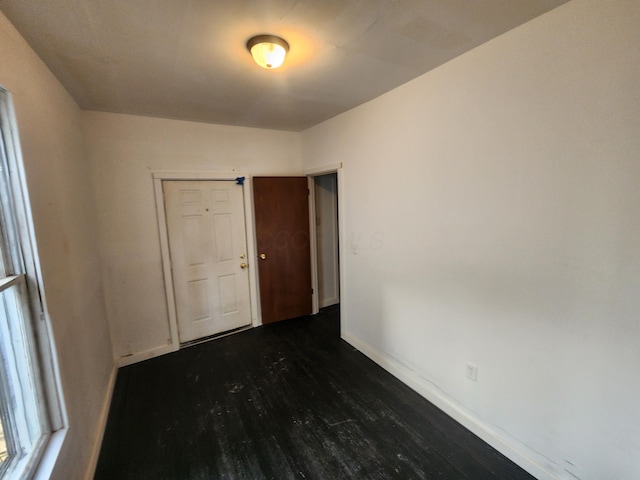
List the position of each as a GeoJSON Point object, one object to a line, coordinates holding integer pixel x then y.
{"type": "Point", "coordinates": [186, 59]}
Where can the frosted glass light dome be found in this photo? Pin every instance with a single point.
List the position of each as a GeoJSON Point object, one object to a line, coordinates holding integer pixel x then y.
{"type": "Point", "coordinates": [268, 51]}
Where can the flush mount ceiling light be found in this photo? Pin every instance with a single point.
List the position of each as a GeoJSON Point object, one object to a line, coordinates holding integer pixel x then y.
{"type": "Point", "coordinates": [268, 51]}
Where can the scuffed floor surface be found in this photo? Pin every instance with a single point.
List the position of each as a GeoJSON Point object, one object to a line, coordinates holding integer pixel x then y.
{"type": "Point", "coordinates": [283, 401]}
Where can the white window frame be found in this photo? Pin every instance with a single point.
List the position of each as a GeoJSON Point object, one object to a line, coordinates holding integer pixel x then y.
{"type": "Point", "coordinates": [39, 464]}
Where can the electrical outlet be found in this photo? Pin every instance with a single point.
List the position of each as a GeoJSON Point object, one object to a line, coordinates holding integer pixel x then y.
{"type": "Point", "coordinates": [472, 372]}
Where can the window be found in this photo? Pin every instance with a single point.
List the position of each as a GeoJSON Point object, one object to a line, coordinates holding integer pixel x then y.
{"type": "Point", "coordinates": [29, 409]}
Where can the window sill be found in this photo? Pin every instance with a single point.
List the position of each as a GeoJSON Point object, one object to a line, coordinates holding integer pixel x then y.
{"type": "Point", "coordinates": [50, 455]}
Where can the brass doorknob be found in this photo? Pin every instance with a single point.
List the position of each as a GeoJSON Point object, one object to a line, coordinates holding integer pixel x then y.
{"type": "Point", "coordinates": [243, 265]}
{"type": "Point", "coordinates": [263, 256]}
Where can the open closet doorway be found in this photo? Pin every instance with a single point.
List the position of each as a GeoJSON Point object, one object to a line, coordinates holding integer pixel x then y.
{"type": "Point", "coordinates": [327, 239]}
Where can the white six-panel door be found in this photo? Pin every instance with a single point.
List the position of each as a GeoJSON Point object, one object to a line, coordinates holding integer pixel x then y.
{"type": "Point", "coordinates": [208, 248]}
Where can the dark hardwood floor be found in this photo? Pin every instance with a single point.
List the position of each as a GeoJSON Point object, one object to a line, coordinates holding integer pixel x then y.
{"type": "Point", "coordinates": [289, 400]}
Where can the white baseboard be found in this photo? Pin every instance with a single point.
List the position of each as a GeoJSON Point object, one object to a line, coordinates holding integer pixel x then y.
{"type": "Point", "coordinates": [138, 357]}
{"type": "Point", "coordinates": [104, 413]}
{"type": "Point", "coordinates": [529, 460]}
{"type": "Point", "coordinates": [327, 302]}
{"type": "Point", "coordinates": [102, 424]}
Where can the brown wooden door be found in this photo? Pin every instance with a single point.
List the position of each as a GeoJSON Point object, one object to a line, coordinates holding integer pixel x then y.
{"type": "Point", "coordinates": [281, 207]}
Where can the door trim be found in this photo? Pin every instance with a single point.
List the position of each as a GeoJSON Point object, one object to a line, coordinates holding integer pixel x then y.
{"type": "Point", "coordinates": [323, 169]}
{"type": "Point", "coordinates": [158, 178]}
{"type": "Point", "coordinates": [315, 172]}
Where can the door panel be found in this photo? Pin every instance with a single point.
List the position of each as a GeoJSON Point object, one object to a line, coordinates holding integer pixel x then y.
{"type": "Point", "coordinates": [281, 207]}
{"type": "Point", "coordinates": [207, 243]}
{"type": "Point", "coordinates": [198, 296]}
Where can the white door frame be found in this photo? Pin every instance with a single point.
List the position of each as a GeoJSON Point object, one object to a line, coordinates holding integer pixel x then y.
{"type": "Point", "coordinates": [158, 178]}
{"type": "Point", "coordinates": [316, 172]}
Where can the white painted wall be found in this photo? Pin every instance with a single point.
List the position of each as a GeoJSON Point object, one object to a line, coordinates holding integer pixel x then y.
{"type": "Point", "coordinates": [326, 206]}
{"type": "Point", "coordinates": [64, 219]}
{"type": "Point", "coordinates": [492, 215]}
{"type": "Point", "coordinates": [124, 151]}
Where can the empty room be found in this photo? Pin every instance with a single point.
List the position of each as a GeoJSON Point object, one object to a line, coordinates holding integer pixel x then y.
{"type": "Point", "coordinates": [320, 239]}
